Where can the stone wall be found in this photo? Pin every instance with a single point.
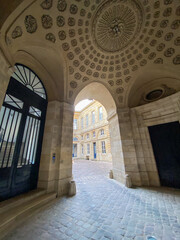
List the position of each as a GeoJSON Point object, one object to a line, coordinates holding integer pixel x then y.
{"type": "Point", "coordinates": [56, 157]}
{"type": "Point", "coordinates": [162, 111]}
{"type": "Point", "coordinates": [5, 73]}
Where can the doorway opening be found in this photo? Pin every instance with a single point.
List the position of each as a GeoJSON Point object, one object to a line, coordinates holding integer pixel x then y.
{"type": "Point", "coordinates": [22, 118]}
{"type": "Point", "coordinates": [165, 140]}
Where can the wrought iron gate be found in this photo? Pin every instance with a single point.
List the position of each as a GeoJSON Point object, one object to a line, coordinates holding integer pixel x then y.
{"type": "Point", "coordinates": [22, 118]}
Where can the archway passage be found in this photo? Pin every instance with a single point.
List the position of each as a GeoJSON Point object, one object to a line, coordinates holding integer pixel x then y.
{"type": "Point", "coordinates": [22, 118]}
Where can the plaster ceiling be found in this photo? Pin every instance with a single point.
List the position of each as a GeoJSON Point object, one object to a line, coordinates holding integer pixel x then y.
{"type": "Point", "coordinates": [109, 41]}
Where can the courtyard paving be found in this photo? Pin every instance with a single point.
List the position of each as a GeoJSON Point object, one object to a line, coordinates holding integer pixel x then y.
{"type": "Point", "coordinates": [104, 209]}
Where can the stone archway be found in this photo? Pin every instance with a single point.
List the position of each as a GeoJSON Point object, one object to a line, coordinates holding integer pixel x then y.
{"type": "Point", "coordinates": [120, 132]}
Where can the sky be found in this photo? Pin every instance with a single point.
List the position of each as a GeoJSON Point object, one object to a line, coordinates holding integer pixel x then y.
{"type": "Point", "coordinates": [82, 104]}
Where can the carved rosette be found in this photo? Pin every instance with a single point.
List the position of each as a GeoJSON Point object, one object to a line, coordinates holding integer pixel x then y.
{"type": "Point", "coordinates": [17, 32]}
{"type": "Point", "coordinates": [116, 24]}
{"type": "Point", "coordinates": [30, 24]}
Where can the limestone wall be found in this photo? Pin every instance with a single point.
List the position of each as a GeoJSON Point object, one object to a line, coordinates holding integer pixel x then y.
{"type": "Point", "coordinates": [159, 112]}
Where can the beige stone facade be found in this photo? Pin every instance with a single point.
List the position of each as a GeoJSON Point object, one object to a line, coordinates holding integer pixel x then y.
{"type": "Point", "coordinates": [136, 77]}
{"type": "Point", "coordinates": [92, 140]}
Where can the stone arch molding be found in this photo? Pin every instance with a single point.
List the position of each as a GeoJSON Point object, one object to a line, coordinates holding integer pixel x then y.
{"type": "Point", "coordinates": [162, 78]}
{"type": "Point", "coordinates": [101, 94]}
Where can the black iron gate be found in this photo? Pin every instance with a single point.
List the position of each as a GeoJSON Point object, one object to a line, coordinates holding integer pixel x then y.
{"type": "Point", "coordinates": [22, 118]}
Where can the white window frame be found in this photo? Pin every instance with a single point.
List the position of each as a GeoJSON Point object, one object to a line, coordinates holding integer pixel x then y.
{"type": "Point", "coordinates": [75, 124]}
{"type": "Point", "coordinates": [88, 148]}
{"type": "Point", "coordinates": [102, 132]}
{"type": "Point", "coordinates": [82, 123]}
{"type": "Point", "coordinates": [82, 149]}
{"type": "Point", "coordinates": [87, 136]}
{"type": "Point", "coordinates": [93, 117]}
{"type": "Point", "coordinates": [103, 146]}
{"type": "Point", "coordinates": [87, 120]}
{"type": "Point", "coordinates": [100, 113]}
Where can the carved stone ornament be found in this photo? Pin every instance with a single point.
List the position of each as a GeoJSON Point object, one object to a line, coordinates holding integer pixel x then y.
{"type": "Point", "coordinates": [60, 21]}
{"type": "Point", "coordinates": [62, 35]}
{"type": "Point", "coordinates": [169, 52]}
{"type": "Point", "coordinates": [17, 32]}
{"type": "Point", "coordinates": [73, 9]}
{"type": "Point", "coordinates": [61, 6]}
{"type": "Point", "coordinates": [73, 84]}
{"type": "Point", "coordinates": [116, 24]}
{"type": "Point", "coordinates": [47, 4]}
{"type": "Point", "coordinates": [30, 24]}
{"type": "Point", "coordinates": [50, 37]}
{"type": "Point", "coordinates": [176, 60]}
{"type": "Point", "coordinates": [47, 21]}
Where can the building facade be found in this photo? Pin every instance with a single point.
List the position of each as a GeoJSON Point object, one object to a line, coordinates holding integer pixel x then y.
{"type": "Point", "coordinates": [91, 138]}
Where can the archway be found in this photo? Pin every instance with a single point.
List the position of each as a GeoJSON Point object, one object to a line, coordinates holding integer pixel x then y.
{"type": "Point", "coordinates": [22, 119]}
{"type": "Point", "coordinates": [100, 93]}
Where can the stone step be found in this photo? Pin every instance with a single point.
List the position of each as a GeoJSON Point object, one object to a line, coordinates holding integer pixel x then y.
{"type": "Point", "coordinates": [16, 215]}
{"type": "Point", "coordinates": [16, 201]}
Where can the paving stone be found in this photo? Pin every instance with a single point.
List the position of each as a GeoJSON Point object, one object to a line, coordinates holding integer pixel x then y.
{"type": "Point", "coordinates": [103, 209]}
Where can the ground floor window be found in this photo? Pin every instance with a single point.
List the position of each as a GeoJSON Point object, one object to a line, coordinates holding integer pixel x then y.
{"type": "Point", "coordinates": [82, 149]}
{"type": "Point", "coordinates": [88, 148]}
{"type": "Point", "coordinates": [103, 147]}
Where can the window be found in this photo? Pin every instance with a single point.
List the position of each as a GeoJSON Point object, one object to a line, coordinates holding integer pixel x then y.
{"type": "Point", "coordinates": [82, 125]}
{"type": "Point", "coordinates": [103, 147]}
{"type": "Point", "coordinates": [81, 137]}
{"type": "Point", "coordinates": [75, 126]}
{"type": "Point", "coordinates": [102, 132]}
{"type": "Point", "coordinates": [87, 135]}
{"type": "Point", "coordinates": [94, 134]}
{"type": "Point", "coordinates": [87, 120]}
{"type": "Point", "coordinates": [88, 148]}
{"type": "Point", "coordinates": [82, 149]}
{"type": "Point", "coordinates": [100, 113]}
{"type": "Point", "coordinates": [93, 117]}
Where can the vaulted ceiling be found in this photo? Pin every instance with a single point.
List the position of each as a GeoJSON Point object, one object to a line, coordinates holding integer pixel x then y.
{"type": "Point", "coordinates": [130, 46]}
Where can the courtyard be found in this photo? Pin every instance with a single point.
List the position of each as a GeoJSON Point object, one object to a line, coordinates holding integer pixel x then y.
{"type": "Point", "coordinates": [104, 209]}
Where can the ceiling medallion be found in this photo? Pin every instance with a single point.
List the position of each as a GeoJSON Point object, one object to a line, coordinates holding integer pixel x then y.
{"type": "Point", "coordinates": [116, 24]}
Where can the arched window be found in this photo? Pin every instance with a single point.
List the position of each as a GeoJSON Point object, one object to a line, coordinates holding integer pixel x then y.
{"type": "Point", "coordinates": [22, 118]}
{"type": "Point", "coordinates": [29, 79]}
{"type": "Point", "coordinates": [102, 132]}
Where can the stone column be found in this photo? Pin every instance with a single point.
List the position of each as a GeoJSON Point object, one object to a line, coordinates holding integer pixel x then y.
{"type": "Point", "coordinates": [5, 73]}
{"type": "Point", "coordinates": [128, 147]}
{"type": "Point", "coordinates": [50, 155]}
{"type": "Point", "coordinates": [56, 158]}
{"type": "Point", "coordinates": [116, 149]}
{"type": "Point", "coordinates": [64, 175]}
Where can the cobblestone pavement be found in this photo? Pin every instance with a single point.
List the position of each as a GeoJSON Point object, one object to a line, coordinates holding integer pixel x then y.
{"type": "Point", "coordinates": [103, 209]}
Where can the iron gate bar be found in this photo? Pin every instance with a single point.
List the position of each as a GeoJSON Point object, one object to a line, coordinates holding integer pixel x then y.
{"type": "Point", "coordinates": [10, 123]}
{"type": "Point", "coordinates": [27, 140]}
{"type": "Point", "coordinates": [29, 147]}
{"type": "Point", "coordinates": [26, 129]}
{"type": "Point", "coordinates": [2, 116]}
{"type": "Point", "coordinates": [32, 139]}
{"type": "Point", "coordinates": [25, 75]}
{"type": "Point", "coordinates": [21, 75]}
{"type": "Point", "coordinates": [33, 80]}
{"type": "Point", "coordinates": [30, 77]}
{"type": "Point", "coordinates": [13, 138]}
{"type": "Point", "coordinates": [35, 146]}
{"type": "Point", "coordinates": [5, 131]}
